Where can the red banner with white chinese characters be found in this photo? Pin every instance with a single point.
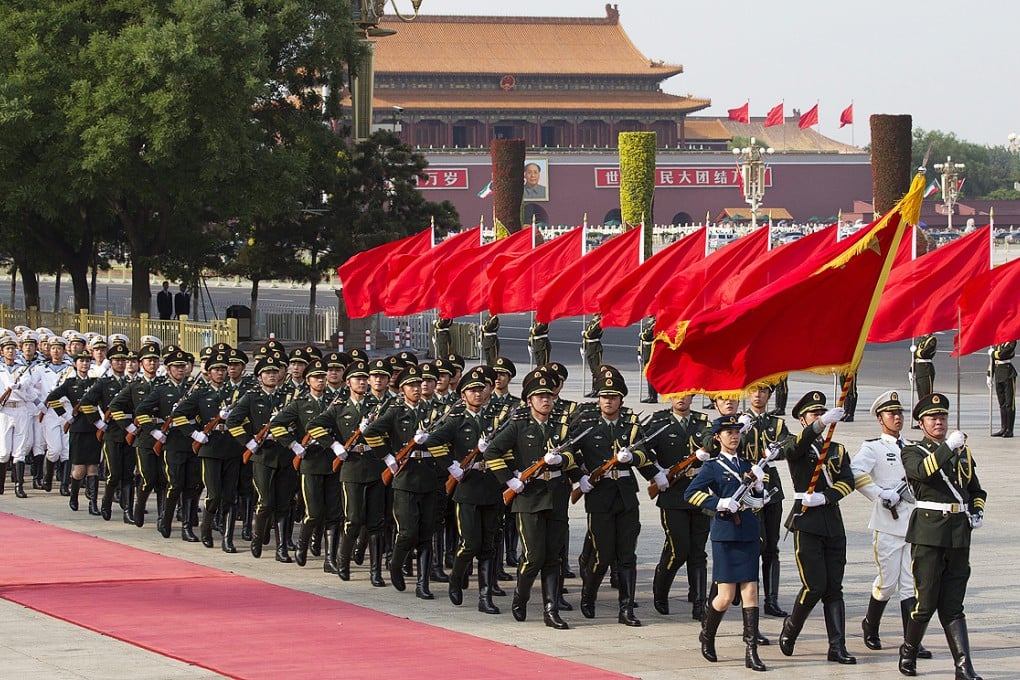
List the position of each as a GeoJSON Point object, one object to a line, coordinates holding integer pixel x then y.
{"type": "Point", "coordinates": [666, 177]}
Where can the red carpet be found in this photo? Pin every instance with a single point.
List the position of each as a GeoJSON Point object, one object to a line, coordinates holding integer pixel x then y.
{"type": "Point", "coordinates": [237, 626]}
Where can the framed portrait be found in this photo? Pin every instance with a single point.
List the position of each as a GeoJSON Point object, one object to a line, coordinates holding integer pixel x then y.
{"type": "Point", "coordinates": [536, 179]}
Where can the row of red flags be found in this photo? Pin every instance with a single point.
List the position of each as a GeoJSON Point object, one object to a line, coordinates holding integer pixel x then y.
{"type": "Point", "coordinates": [775, 116]}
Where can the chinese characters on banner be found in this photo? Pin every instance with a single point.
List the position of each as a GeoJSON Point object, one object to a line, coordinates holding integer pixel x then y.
{"type": "Point", "coordinates": [665, 177]}
{"type": "Point", "coordinates": [445, 178]}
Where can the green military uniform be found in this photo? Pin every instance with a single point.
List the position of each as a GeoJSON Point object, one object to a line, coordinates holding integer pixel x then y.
{"type": "Point", "coordinates": [1004, 377]}
{"type": "Point", "coordinates": [245, 484]}
{"type": "Point", "coordinates": [82, 445]}
{"type": "Point", "coordinates": [591, 341]}
{"type": "Point", "coordinates": [646, 339]}
{"type": "Point", "coordinates": [922, 365]}
{"type": "Point", "coordinates": [782, 395]}
{"type": "Point", "coordinates": [490, 339]}
{"type": "Point", "coordinates": [685, 526]}
{"type": "Point", "coordinates": [950, 504]}
{"type": "Point", "coordinates": [538, 342]}
{"type": "Point", "coordinates": [118, 456]}
{"type": "Point", "coordinates": [441, 336]}
{"type": "Point", "coordinates": [850, 403]}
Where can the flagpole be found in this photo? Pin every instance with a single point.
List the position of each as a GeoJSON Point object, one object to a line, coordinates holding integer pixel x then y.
{"type": "Point", "coordinates": [959, 404]}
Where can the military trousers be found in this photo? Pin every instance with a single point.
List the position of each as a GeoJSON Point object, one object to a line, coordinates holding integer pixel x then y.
{"type": "Point", "coordinates": [821, 561]}
{"type": "Point", "coordinates": [940, 581]}
{"type": "Point", "coordinates": [924, 379]}
{"type": "Point", "coordinates": [364, 505]}
{"type": "Point", "coordinates": [219, 475]}
{"type": "Point", "coordinates": [415, 516]}
{"type": "Point", "coordinates": [540, 351]}
{"type": "Point", "coordinates": [274, 488]}
{"type": "Point", "coordinates": [614, 538]}
{"type": "Point", "coordinates": [770, 522]}
{"type": "Point", "coordinates": [686, 534]}
{"type": "Point", "coordinates": [150, 468]}
{"type": "Point", "coordinates": [478, 527]}
{"type": "Point", "coordinates": [323, 498]}
{"type": "Point", "coordinates": [1005, 392]}
{"type": "Point", "coordinates": [120, 462]}
{"type": "Point", "coordinates": [183, 471]}
{"type": "Point", "coordinates": [543, 541]}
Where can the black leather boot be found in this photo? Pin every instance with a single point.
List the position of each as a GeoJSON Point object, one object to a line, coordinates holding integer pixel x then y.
{"type": "Point", "coordinates": [92, 491]}
{"type": "Point", "coordinates": [522, 593]}
{"type": "Point", "coordinates": [661, 583]}
{"type": "Point", "coordinates": [397, 568]}
{"type": "Point", "coordinates": [908, 650]}
{"type": "Point", "coordinates": [959, 646]}
{"type": "Point", "coordinates": [869, 624]}
{"type": "Point", "coordinates": [288, 530]}
{"type": "Point", "coordinates": [698, 578]}
{"type": "Point", "coordinates": [281, 543]}
{"type": "Point", "coordinates": [343, 561]}
{"type": "Point", "coordinates": [792, 626]}
{"type": "Point", "coordinates": [140, 502]}
{"type": "Point", "coordinates": [424, 573]}
{"type": "Point", "coordinates": [437, 573]}
{"type": "Point", "coordinates": [72, 501]}
{"type": "Point", "coordinates": [510, 540]}
{"type": "Point", "coordinates": [835, 626]}
{"type": "Point", "coordinates": [127, 501]}
{"type": "Point", "coordinates": [304, 538]}
{"type": "Point", "coordinates": [229, 524]}
{"type": "Point", "coordinates": [106, 507]}
{"type": "Point", "coordinates": [550, 610]}
{"type": "Point", "coordinates": [188, 503]}
{"type": "Point", "coordinates": [64, 476]}
{"type": "Point", "coordinates": [457, 573]}
{"type": "Point", "coordinates": [161, 493]}
{"type": "Point", "coordinates": [259, 528]}
{"type": "Point", "coordinates": [315, 543]}
{"type": "Point", "coordinates": [333, 537]}
{"type": "Point", "coordinates": [19, 481]}
{"type": "Point", "coordinates": [205, 528]}
{"type": "Point", "coordinates": [360, 546]}
{"type": "Point", "coordinates": [167, 516]}
{"type": "Point", "coordinates": [3, 479]}
{"type": "Point", "coordinates": [34, 470]}
{"type": "Point", "coordinates": [48, 468]}
{"type": "Point", "coordinates": [627, 586]}
{"type": "Point", "coordinates": [375, 560]}
{"type": "Point", "coordinates": [770, 583]}
{"type": "Point", "coordinates": [590, 583]}
{"type": "Point", "coordinates": [1002, 423]}
{"type": "Point", "coordinates": [452, 541]}
{"type": "Point", "coordinates": [751, 635]}
{"type": "Point", "coordinates": [486, 579]}
{"type": "Point", "coordinates": [247, 515]}
{"type": "Point", "coordinates": [709, 626]}
{"type": "Point", "coordinates": [907, 606]}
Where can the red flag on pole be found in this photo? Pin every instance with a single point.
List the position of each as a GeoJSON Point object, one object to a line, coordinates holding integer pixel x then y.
{"type": "Point", "coordinates": [463, 285]}
{"type": "Point", "coordinates": [775, 115]}
{"type": "Point", "coordinates": [741, 114]}
{"type": "Point", "coordinates": [411, 288]}
{"type": "Point", "coordinates": [632, 297]}
{"type": "Point", "coordinates": [847, 117]}
{"type": "Point", "coordinates": [578, 286]}
{"type": "Point", "coordinates": [810, 118]}
{"type": "Point", "coordinates": [514, 279]}
{"type": "Point", "coordinates": [990, 309]}
{"type": "Point", "coordinates": [779, 328]}
{"type": "Point", "coordinates": [364, 275]}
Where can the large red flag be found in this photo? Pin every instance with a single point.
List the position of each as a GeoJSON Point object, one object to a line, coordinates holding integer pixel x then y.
{"type": "Point", "coordinates": [464, 285]}
{"type": "Point", "coordinates": [809, 118]}
{"type": "Point", "coordinates": [740, 114]}
{"type": "Point", "coordinates": [990, 309]}
{"type": "Point", "coordinates": [697, 289]}
{"type": "Point", "coordinates": [514, 279]}
{"type": "Point", "coordinates": [775, 115]}
{"type": "Point", "coordinates": [364, 275]}
{"type": "Point", "coordinates": [411, 288]}
{"type": "Point", "coordinates": [847, 117]}
{"type": "Point", "coordinates": [815, 323]}
{"type": "Point", "coordinates": [577, 288]}
{"type": "Point", "coordinates": [632, 297]}
{"type": "Point", "coordinates": [921, 296]}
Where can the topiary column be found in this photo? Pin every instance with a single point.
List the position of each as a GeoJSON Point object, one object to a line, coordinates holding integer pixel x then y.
{"type": "Point", "coordinates": [637, 179]}
{"type": "Point", "coordinates": [508, 180]}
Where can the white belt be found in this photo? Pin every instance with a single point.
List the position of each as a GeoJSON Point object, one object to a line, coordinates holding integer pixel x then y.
{"type": "Point", "coordinates": [800, 496]}
{"type": "Point", "coordinates": [616, 474]}
{"type": "Point", "coordinates": [489, 335]}
{"type": "Point", "coordinates": [944, 508]}
{"type": "Point", "coordinates": [922, 361]}
{"type": "Point", "coordinates": [420, 454]}
{"type": "Point", "coordinates": [1000, 361]}
{"type": "Point", "coordinates": [442, 330]}
{"type": "Point", "coordinates": [539, 337]}
{"type": "Point", "coordinates": [548, 474]}
{"type": "Point", "coordinates": [478, 466]}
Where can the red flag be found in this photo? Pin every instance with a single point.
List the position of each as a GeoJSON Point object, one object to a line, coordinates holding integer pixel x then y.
{"type": "Point", "coordinates": [412, 287]}
{"type": "Point", "coordinates": [364, 275]}
{"type": "Point", "coordinates": [632, 297]}
{"type": "Point", "coordinates": [921, 296]}
{"type": "Point", "coordinates": [576, 289]}
{"type": "Point", "coordinates": [775, 115]}
{"type": "Point", "coordinates": [990, 309]}
{"type": "Point", "coordinates": [514, 279]}
{"type": "Point", "coordinates": [741, 114]}
{"type": "Point", "coordinates": [463, 285]}
{"type": "Point", "coordinates": [847, 117]}
{"type": "Point", "coordinates": [814, 323]}
{"type": "Point", "coordinates": [697, 288]}
{"type": "Point", "coordinates": [810, 118]}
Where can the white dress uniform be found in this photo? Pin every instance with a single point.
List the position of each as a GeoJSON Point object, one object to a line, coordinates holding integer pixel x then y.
{"type": "Point", "coordinates": [54, 439]}
{"type": "Point", "coordinates": [16, 414]}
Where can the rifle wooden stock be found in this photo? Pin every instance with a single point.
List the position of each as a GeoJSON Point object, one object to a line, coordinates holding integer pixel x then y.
{"type": "Point", "coordinates": [106, 419]}
{"type": "Point", "coordinates": [402, 457]}
{"type": "Point", "coordinates": [74, 414]}
{"type": "Point", "coordinates": [157, 447]}
{"type": "Point", "coordinates": [536, 468]}
{"type": "Point", "coordinates": [468, 461]}
{"type": "Point", "coordinates": [195, 446]}
{"type": "Point", "coordinates": [259, 438]}
{"type": "Point", "coordinates": [6, 395]}
{"type": "Point", "coordinates": [296, 462]}
{"type": "Point", "coordinates": [673, 474]}
{"type": "Point", "coordinates": [347, 445]}
{"type": "Point", "coordinates": [593, 478]}
{"type": "Point", "coordinates": [131, 436]}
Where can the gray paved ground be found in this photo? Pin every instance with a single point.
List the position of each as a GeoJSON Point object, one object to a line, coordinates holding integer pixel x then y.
{"type": "Point", "coordinates": [33, 645]}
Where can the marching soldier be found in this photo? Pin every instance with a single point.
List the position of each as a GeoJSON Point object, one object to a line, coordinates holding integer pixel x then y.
{"type": "Point", "coordinates": [457, 364]}
{"type": "Point", "coordinates": [489, 331]}
{"type": "Point", "coordinates": [950, 505]}
{"type": "Point", "coordinates": [17, 413]}
{"type": "Point", "coordinates": [538, 343]}
{"type": "Point", "coordinates": [501, 397]}
{"type": "Point", "coordinates": [611, 502]}
{"type": "Point", "coordinates": [1003, 374]}
{"type": "Point", "coordinates": [442, 341]}
{"type": "Point", "coordinates": [685, 526]}
{"type": "Point", "coordinates": [922, 367]}
{"type": "Point", "coordinates": [817, 525]}
{"type": "Point", "coordinates": [118, 456]}
{"type": "Point", "coordinates": [83, 446]}
{"type": "Point", "coordinates": [878, 474]}
{"type": "Point", "coordinates": [591, 350]}
{"type": "Point", "coordinates": [50, 437]}
{"type": "Point", "coordinates": [647, 339]}
{"type": "Point", "coordinates": [735, 536]}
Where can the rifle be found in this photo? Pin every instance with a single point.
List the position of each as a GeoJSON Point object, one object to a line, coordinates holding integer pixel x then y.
{"type": "Point", "coordinates": [7, 393]}
{"type": "Point", "coordinates": [673, 474]}
{"type": "Point", "coordinates": [538, 467]}
{"type": "Point", "coordinates": [211, 425]}
{"type": "Point", "coordinates": [157, 448]}
{"type": "Point", "coordinates": [593, 478]}
{"type": "Point", "coordinates": [404, 454]}
{"type": "Point", "coordinates": [129, 438]}
{"type": "Point", "coordinates": [903, 489]}
{"type": "Point", "coordinates": [106, 419]}
{"type": "Point", "coordinates": [375, 413]}
{"type": "Point", "coordinates": [259, 438]}
{"type": "Point", "coordinates": [774, 449]}
{"type": "Point", "coordinates": [468, 460]}
{"type": "Point", "coordinates": [304, 440]}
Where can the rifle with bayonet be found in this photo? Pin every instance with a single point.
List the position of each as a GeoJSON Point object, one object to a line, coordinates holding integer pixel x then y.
{"type": "Point", "coordinates": [157, 447]}
{"type": "Point", "coordinates": [539, 466]}
{"type": "Point", "coordinates": [600, 471]}
{"type": "Point", "coordinates": [741, 495]}
{"type": "Point", "coordinates": [404, 454]}
{"type": "Point", "coordinates": [469, 460]}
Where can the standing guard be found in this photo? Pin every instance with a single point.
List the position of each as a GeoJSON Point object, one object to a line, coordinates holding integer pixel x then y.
{"type": "Point", "coordinates": [489, 340]}
{"type": "Point", "coordinates": [442, 340]}
{"type": "Point", "coordinates": [1003, 374]}
{"type": "Point", "coordinates": [646, 339]}
{"type": "Point", "coordinates": [591, 350]}
{"type": "Point", "coordinates": [922, 366]}
{"type": "Point", "coordinates": [538, 343]}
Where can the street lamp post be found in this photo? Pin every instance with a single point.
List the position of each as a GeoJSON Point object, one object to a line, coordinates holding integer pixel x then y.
{"type": "Point", "coordinates": [752, 175]}
{"type": "Point", "coordinates": [950, 185]}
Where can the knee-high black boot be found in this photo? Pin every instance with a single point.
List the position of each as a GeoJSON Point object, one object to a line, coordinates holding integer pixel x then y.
{"type": "Point", "coordinates": [34, 470]}
{"type": "Point", "coordinates": [510, 540]}
{"type": "Point", "coordinates": [205, 528]}
{"type": "Point", "coordinates": [332, 548]}
{"type": "Point", "coordinates": [627, 586]}
{"type": "Point", "coordinates": [281, 543]}
{"type": "Point", "coordinates": [106, 507]}
{"type": "Point", "coordinates": [92, 491]}
{"type": "Point", "coordinates": [792, 626]}
{"type": "Point", "coordinates": [486, 579]}
{"type": "Point", "coordinates": [75, 484]}
{"type": "Point", "coordinates": [140, 502]}
{"type": "Point", "coordinates": [424, 572]}
{"type": "Point", "coordinates": [907, 606]}
{"type": "Point", "coordinates": [301, 557]}
{"type": "Point", "coordinates": [698, 580]}
{"type": "Point", "coordinates": [550, 597]}
{"type": "Point", "coordinates": [661, 583]}
{"type": "Point", "coordinates": [869, 624]}
{"type": "Point", "coordinates": [438, 555]}
{"type": "Point", "coordinates": [709, 626]}
{"type": "Point", "coordinates": [64, 475]}
{"type": "Point", "coordinates": [247, 517]}
{"type": "Point", "coordinates": [959, 645]}
{"type": "Point", "coordinates": [770, 582]}
{"type": "Point", "coordinates": [315, 542]}
{"type": "Point", "coordinates": [3, 479]}
{"type": "Point", "coordinates": [169, 511]}
{"type": "Point", "coordinates": [189, 501]}
{"type": "Point", "coordinates": [522, 593]}
{"type": "Point", "coordinates": [260, 529]}
{"type": "Point", "coordinates": [911, 642]}
{"type": "Point", "coordinates": [360, 546]}
{"type": "Point", "coordinates": [127, 501]}
{"type": "Point", "coordinates": [835, 627]}
{"type": "Point", "coordinates": [397, 567]}
{"type": "Point", "coordinates": [375, 560]}
{"type": "Point", "coordinates": [457, 580]}
{"type": "Point", "coordinates": [229, 524]}
{"type": "Point", "coordinates": [19, 481]}
{"type": "Point", "coordinates": [590, 582]}
{"type": "Point", "coordinates": [751, 634]}
{"type": "Point", "coordinates": [48, 468]}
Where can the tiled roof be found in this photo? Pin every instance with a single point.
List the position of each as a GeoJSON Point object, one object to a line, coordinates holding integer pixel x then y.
{"type": "Point", "coordinates": [574, 101]}
{"type": "Point", "coordinates": [705, 129]}
{"type": "Point", "coordinates": [786, 137]}
{"type": "Point", "coordinates": [763, 213]}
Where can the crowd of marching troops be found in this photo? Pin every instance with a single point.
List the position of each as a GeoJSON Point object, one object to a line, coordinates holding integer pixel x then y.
{"type": "Point", "coordinates": [435, 466]}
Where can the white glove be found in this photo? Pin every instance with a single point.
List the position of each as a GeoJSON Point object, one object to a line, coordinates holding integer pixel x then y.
{"type": "Point", "coordinates": [483, 444]}
{"type": "Point", "coordinates": [727, 505]}
{"type": "Point", "coordinates": [702, 455]}
{"type": "Point", "coordinates": [131, 428]}
{"type": "Point", "coordinates": [889, 495]}
{"type": "Point", "coordinates": [100, 425]}
{"type": "Point", "coordinates": [421, 436]}
{"type": "Point", "coordinates": [661, 480]}
{"type": "Point", "coordinates": [159, 435]}
{"type": "Point", "coordinates": [339, 450]}
{"type": "Point", "coordinates": [585, 484]}
{"type": "Point", "coordinates": [581, 348]}
{"type": "Point", "coordinates": [252, 445]}
{"type": "Point", "coordinates": [551, 458]}
{"type": "Point", "coordinates": [977, 520]}
{"type": "Point", "coordinates": [363, 424]}
{"type": "Point", "coordinates": [988, 381]}
{"type": "Point", "coordinates": [391, 463]}
{"type": "Point", "coordinates": [298, 450]}
{"type": "Point", "coordinates": [910, 376]}
{"type": "Point", "coordinates": [956, 439]}
{"type": "Point", "coordinates": [200, 437]}
{"type": "Point", "coordinates": [515, 485]}
{"type": "Point", "coordinates": [745, 423]}
{"type": "Point", "coordinates": [812, 500]}
{"type": "Point", "coordinates": [759, 474]}
{"type": "Point", "coordinates": [913, 348]}
{"type": "Point", "coordinates": [41, 409]}
{"type": "Point", "coordinates": [456, 470]}
{"type": "Point", "coordinates": [224, 413]}
{"type": "Point", "coordinates": [67, 417]}
{"type": "Point", "coordinates": [833, 416]}
{"type": "Point", "coordinates": [624, 455]}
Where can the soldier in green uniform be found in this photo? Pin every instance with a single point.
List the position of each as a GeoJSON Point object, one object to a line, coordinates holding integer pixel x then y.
{"type": "Point", "coordinates": [685, 526]}
{"type": "Point", "coordinates": [542, 502]}
{"type": "Point", "coordinates": [501, 396]}
{"type": "Point", "coordinates": [817, 525]}
{"type": "Point", "coordinates": [489, 332]}
{"type": "Point", "coordinates": [445, 539]}
{"type": "Point", "coordinates": [850, 403]}
{"type": "Point", "coordinates": [1003, 375]}
{"type": "Point", "coordinates": [591, 350]}
{"type": "Point", "coordinates": [415, 483]}
{"type": "Point", "coordinates": [538, 343]}
{"type": "Point", "coordinates": [442, 341]}
{"type": "Point", "coordinates": [922, 367]}
{"type": "Point", "coordinates": [782, 395]}
{"type": "Point", "coordinates": [120, 463]}
{"type": "Point", "coordinates": [457, 367]}
{"type": "Point", "coordinates": [238, 383]}
{"type": "Point", "coordinates": [273, 474]}
{"type": "Point", "coordinates": [646, 339]}
{"type": "Point", "coordinates": [950, 505]}
{"type": "Point", "coordinates": [444, 372]}
{"type": "Point", "coordinates": [83, 447]}
{"type": "Point", "coordinates": [611, 502]}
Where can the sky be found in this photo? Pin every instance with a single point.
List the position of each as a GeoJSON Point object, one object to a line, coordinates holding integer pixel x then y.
{"type": "Point", "coordinates": [942, 62]}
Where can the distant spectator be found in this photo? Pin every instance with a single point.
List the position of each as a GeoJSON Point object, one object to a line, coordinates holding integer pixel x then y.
{"type": "Point", "coordinates": [182, 302]}
{"type": "Point", "coordinates": [165, 302]}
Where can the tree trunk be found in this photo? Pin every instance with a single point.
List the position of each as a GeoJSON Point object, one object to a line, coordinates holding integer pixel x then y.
{"type": "Point", "coordinates": [314, 280]}
{"type": "Point", "coordinates": [14, 283]}
{"type": "Point", "coordinates": [254, 305]}
{"type": "Point", "coordinates": [56, 290]}
{"type": "Point", "coordinates": [94, 272]}
{"type": "Point", "coordinates": [79, 273]}
{"type": "Point", "coordinates": [30, 284]}
{"type": "Point", "coordinates": [141, 294]}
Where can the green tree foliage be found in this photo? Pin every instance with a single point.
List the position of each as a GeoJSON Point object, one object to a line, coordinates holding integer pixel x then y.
{"type": "Point", "coordinates": [637, 179]}
{"type": "Point", "coordinates": [990, 171]}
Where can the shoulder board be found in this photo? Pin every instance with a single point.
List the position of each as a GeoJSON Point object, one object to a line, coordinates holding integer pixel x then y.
{"type": "Point", "coordinates": [698, 415]}
{"type": "Point", "coordinates": [872, 440]}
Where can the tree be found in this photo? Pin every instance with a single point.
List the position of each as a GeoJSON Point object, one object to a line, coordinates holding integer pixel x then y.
{"type": "Point", "coordinates": [990, 171]}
